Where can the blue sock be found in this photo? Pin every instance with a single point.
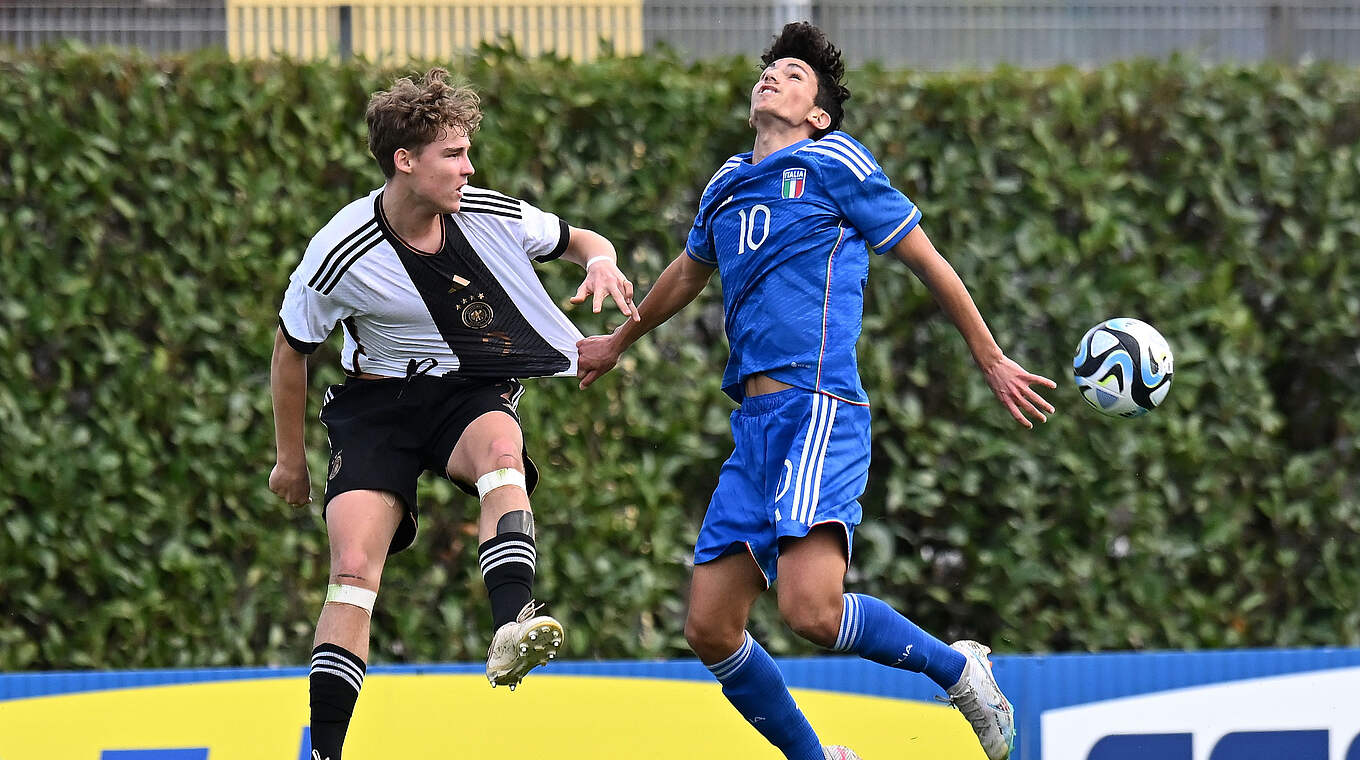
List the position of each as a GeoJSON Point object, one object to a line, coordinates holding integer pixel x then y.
{"type": "Point", "coordinates": [753, 684]}
{"type": "Point", "coordinates": [877, 632]}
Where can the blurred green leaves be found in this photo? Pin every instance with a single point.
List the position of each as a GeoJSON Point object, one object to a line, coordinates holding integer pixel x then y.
{"type": "Point", "coordinates": [151, 210]}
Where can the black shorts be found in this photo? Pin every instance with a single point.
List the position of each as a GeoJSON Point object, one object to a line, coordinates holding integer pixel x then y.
{"type": "Point", "coordinates": [384, 433]}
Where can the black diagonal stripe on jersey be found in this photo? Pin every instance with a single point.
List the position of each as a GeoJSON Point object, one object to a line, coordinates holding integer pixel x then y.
{"type": "Point", "coordinates": [330, 274]}
{"type": "Point", "coordinates": [468, 208]}
{"type": "Point", "coordinates": [492, 199]}
{"type": "Point", "coordinates": [348, 262]}
{"type": "Point", "coordinates": [365, 229]}
{"type": "Point", "coordinates": [509, 347]}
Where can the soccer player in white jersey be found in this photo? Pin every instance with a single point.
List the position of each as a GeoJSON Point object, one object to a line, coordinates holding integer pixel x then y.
{"type": "Point", "coordinates": [432, 282]}
{"type": "Point", "coordinates": [789, 226]}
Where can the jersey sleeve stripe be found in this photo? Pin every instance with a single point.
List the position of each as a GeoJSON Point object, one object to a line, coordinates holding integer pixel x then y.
{"type": "Point", "coordinates": [853, 150]}
{"type": "Point", "coordinates": [839, 157]}
{"type": "Point", "coordinates": [727, 166]}
{"type": "Point", "coordinates": [562, 241]}
{"type": "Point", "coordinates": [845, 151]}
{"type": "Point", "coordinates": [914, 216]}
{"type": "Point", "coordinates": [364, 230]}
{"type": "Point", "coordinates": [329, 284]}
{"type": "Point", "coordinates": [491, 200]}
{"type": "Point", "coordinates": [337, 263]}
{"type": "Point", "coordinates": [485, 193]}
{"type": "Point", "coordinates": [300, 346]}
{"type": "Point", "coordinates": [468, 208]}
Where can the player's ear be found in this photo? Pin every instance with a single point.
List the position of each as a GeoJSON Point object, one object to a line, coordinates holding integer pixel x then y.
{"type": "Point", "coordinates": [401, 159]}
{"type": "Point", "coordinates": [819, 119]}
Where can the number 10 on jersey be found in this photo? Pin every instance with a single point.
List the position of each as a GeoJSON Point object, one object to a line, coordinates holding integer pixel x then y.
{"type": "Point", "coordinates": [760, 215]}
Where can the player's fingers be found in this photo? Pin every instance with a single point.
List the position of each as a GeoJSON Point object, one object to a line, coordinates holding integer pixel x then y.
{"type": "Point", "coordinates": [1015, 412]}
{"type": "Point", "coordinates": [1038, 400]}
{"type": "Point", "coordinates": [1026, 406]}
{"type": "Point", "coordinates": [589, 378]}
{"type": "Point", "coordinates": [619, 300]}
{"type": "Point", "coordinates": [599, 300]}
{"type": "Point", "coordinates": [637, 315]}
{"type": "Point", "coordinates": [581, 293]}
{"type": "Point", "coordinates": [1040, 379]}
{"type": "Point", "coordinates": [628, 289]}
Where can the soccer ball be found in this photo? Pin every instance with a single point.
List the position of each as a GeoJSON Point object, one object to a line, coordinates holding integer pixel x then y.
{"type": "Point", "coordinates": [1123, 367]}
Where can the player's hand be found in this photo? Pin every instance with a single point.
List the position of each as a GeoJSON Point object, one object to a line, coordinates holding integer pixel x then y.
{"type": "Point", "coordinates": [292, 484]}
{"type": "Point", "coordinates": [596, 355]}
{"type": "Point", "coordinates": [1011, 383]}
{"type": "Point", "coordinates": [603, 278]}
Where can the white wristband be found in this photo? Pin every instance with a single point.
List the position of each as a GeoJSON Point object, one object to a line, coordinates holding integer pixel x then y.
{"type": "Point", "coordinates": [594, 259]}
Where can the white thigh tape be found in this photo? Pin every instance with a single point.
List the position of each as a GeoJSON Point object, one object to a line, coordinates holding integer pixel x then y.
{"type": "Point", "coordinates": [505, 476]}
{"type": "Point", "coordinates": [355, 595]}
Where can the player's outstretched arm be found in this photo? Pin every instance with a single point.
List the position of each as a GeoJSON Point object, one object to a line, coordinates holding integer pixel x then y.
{"type": "Point", "coordinates": [1007, 379]}
{"type": "Point", "coordinates": [682, 282]}
{"type": "Point", "coordinates": [596, 254]}
{"type": "Point", "coordinates": [289, 479]}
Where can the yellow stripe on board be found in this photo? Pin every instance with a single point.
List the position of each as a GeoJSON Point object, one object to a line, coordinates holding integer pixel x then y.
{"type": "Point", "coordinates": [394, 31]}
{"type": "Point", "coordinates": [415, 717]}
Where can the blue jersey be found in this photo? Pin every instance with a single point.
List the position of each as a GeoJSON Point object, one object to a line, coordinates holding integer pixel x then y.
{"type": "Point", "coordinates": [790, 237]}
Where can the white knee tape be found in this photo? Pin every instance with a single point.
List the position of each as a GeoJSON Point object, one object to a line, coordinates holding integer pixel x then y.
{"type": "Point", "coordinates": [355, 595]}
{"type": "Point", "coordinates": [506, 476]}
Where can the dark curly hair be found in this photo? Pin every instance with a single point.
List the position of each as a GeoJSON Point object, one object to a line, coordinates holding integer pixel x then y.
{"type": "Point", "coordinates": [806, 42]}
{"type": "Point", "coordinates": [412, 114]}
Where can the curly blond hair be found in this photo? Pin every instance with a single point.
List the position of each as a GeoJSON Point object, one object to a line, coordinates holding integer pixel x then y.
{"type": "Point", "coordinates": [413, 114]}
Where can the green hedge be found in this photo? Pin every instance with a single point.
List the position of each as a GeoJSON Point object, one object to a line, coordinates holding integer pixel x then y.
{"type": "Point", "coordinates": [150, 212]}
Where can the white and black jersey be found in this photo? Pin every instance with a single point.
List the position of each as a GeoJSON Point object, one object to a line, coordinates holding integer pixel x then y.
{"type": "Point", "coordinates": [477, 308]}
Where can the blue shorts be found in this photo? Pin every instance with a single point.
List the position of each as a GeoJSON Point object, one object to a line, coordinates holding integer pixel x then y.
{"type": "Point", "coordinates": [800, 459]}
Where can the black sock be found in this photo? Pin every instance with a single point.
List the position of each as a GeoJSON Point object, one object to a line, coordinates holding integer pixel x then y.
{"type": "Point", "coordinates": [508, 568]}
{"type": "Point", "coordinates": [335, 680]}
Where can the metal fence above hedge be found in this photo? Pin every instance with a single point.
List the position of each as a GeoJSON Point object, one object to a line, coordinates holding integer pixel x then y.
{"type": "Point", "coordinates": [928, 34]}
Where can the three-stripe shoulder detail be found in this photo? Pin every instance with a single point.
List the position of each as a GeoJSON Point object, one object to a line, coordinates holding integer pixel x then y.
{"type": "Point", "coordinates": [343, 255]}
{"type": "Point", "coordinates": [489, 202]}
{"type": "Point", "coordinates": [844, 150]}
{"type": "Point", "coordinates": [723, 170]}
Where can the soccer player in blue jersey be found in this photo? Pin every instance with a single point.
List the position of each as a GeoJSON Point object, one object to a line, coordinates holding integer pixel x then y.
{"type": "Point", "coordinates": [789, 226]}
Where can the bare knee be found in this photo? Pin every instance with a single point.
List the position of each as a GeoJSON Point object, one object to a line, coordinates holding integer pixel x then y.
{"type": "Point", "coordinates": [713, 640]}
{"type": "Point", "coordinates": [815, 617]}
{"type": "Point", "coordinates": [503, 452]}
{"type": "Point", "coordinates": [356, 566]}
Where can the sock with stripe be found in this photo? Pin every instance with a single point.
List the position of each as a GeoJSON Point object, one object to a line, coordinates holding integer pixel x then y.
{"type": "Point", "coordinates": [335, 680]}
{"type": "Point", "coordinates": [753, 684]}
{"type": "Point", "coordinates": [877, 632]}
{"type": "Point", "coordinates": [508, 568]}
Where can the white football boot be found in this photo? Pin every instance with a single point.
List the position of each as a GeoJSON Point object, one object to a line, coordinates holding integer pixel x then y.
{"type": "Point", "coordinates": [520, 646]}
{"type": "Point", "coordinates": [977, 696]}
{"type": "Point", "coordinates": [837, 752]}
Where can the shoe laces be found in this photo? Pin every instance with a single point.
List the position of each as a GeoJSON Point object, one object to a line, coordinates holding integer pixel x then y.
{"type": "Point", "coordinates": [529, 611]}
{"type": "Point", "coordinates": [967, 702]}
